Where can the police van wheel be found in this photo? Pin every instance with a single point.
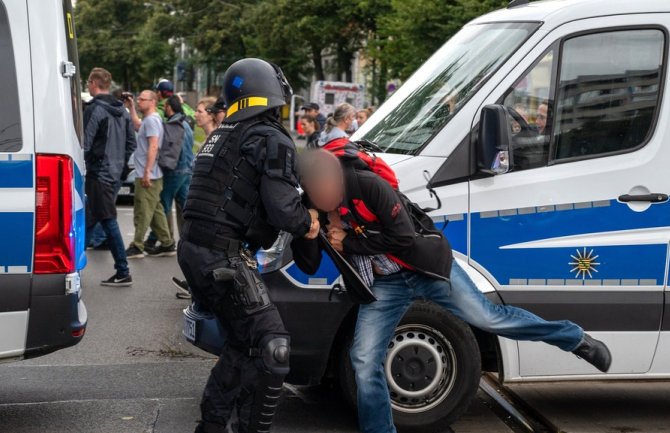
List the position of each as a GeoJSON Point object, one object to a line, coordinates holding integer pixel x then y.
{"type": "Point", "coordinates": [433, 368]}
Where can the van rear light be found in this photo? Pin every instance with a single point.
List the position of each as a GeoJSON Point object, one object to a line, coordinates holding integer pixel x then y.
{"type": "Point", "coordinates": [54, 240]}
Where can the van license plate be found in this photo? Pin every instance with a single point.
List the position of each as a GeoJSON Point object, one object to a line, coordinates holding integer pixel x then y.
{"type": "Point", "coordinates": [124, 190]}
{"type": "Point", "coordinates": [190, 327]}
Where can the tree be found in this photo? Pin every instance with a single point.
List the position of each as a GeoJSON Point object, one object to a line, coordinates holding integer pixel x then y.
{"type": "Point", "coordinates": [124, 37]}
{"type": "Point", "coordinates": [414, 29]}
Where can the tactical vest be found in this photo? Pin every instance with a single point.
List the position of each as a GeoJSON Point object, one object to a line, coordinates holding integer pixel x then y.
{"type": "Point", "coordinates": [224, 198]}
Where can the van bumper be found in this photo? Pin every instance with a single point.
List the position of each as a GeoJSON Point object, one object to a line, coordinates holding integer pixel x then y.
{"type": "Point", "coordinates": [57, 319]}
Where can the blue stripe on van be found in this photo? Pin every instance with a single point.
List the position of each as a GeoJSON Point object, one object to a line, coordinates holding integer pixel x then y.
{"type": "Point", "coordinates": [16, 173]}
{"type": "Point", "coordinates": [18, 236]}
{"type": "Point", "coordinates": [79, 221]}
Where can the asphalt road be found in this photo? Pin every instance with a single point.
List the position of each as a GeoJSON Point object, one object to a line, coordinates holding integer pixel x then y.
{"type": "Point", "coordinates": [133, 372]}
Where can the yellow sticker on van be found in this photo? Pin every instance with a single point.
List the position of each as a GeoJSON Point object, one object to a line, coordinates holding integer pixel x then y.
{"type": "Point", "coordinates": [70, 27]}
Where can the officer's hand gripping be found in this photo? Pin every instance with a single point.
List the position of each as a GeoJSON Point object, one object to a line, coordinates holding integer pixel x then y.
{"type": "Point", "coordinates": [315, 227]}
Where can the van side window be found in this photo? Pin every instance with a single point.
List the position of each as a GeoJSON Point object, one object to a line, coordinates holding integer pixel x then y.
{"type": "Point", "coordinates": [608, 92]}
{"type": "Point", "coordinates": [10, 118]}
{"type": "Point", "coordinates": [529, 107]}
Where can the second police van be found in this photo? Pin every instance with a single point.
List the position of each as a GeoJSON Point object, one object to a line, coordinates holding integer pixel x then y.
{"type": "Point", "coordinates": [42, 246]}
{"type": "Point", "coordinates": [544, 130]}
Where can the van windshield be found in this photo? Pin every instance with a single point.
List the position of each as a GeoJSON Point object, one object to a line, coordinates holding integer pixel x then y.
{"type": "Point", "coordinates": [431, 97]}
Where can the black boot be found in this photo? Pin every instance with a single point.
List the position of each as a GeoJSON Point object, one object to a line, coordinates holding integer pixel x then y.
{"type": "Point", "coordinates": [208, 427]}
{"type": "Point", "coordinates": [595, 352]}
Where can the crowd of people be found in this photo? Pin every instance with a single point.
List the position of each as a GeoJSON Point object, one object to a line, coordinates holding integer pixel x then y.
{"type": "Point", "coordinates": [119, 127]}
{"type": "Point", "coordinates": [318, 129]}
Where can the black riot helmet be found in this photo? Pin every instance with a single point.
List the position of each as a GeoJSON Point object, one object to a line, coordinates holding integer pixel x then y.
{"type": "Point", "coordinates": [253, 86]}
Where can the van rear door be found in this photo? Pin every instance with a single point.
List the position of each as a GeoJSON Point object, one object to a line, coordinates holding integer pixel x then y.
{"type": "Point", "coordinates": [17, 185]}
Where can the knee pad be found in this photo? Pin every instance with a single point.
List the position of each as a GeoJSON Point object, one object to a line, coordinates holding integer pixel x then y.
{"type": "Point", "coordinates": [274, 352]}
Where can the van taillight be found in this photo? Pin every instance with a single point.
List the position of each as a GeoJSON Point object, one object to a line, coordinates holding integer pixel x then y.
{"type": "Point", "coordinates": [54, 241]}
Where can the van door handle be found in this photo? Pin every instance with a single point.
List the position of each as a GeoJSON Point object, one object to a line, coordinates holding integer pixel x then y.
{"type": "Point", "coordinates": [651, 198]}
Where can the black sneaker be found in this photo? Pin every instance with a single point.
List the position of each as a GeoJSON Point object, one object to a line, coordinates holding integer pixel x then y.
{"type": "Point", "coordinates": [150, 244]}
{"type": "Point", "coordinates": [134, 253]}
{"type": "Point", "coordinates": [182, 288]}
{"type": "Point", "coordinates": [163, 251]}
{"type": "Point", "coordinates": [595, 352]}
{"type": "Point", "coordinates": [117, 281]}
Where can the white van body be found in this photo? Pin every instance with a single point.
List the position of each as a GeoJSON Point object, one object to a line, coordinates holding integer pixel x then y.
{"type": "Point", "coordinates": [41, 180]}
{"type": "Point", "coordinates": [554, 234]}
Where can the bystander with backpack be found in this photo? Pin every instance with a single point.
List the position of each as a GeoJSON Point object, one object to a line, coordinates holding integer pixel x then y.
{"type": "Point", "coordinates": [397, 250]}
{"type": "Point", "coordinates": [176, 160]}
{"type": "Point", "coordinates": [109, 140]}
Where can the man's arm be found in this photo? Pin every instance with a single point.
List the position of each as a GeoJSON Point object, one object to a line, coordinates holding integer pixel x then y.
{"type": "Point", "coordinates": [136, 121]}
{"type": "Point", "coordinates": [91, 124]}
{"type": "Point", "coordinates": [153, 130]}
{"type": "Point", "coordinates": [152, 153]}
{"type": "Point", "coordinates": [397, 230]}
{"type": "Point", "coordinates": [279, 188]}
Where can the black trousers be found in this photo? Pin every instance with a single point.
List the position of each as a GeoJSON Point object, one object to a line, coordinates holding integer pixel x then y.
{"type": "Point", "coordinates": [238, 381]}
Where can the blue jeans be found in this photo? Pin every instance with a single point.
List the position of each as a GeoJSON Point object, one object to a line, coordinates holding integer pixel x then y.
{"type": "Point", "coordinates": [116, 246]}
{"type": "Point", "coordinates": [98, 236]}
{"type": "Point", "coordinates": [377, 322]}
{"type": "Point", "coordinates": [175, 188]}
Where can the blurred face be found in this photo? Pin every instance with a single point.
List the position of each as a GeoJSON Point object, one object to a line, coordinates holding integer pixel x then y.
{"type": "Point", "coordinates": [327, 192]}
{"type": "Point", "coordinates": [361, 117]}
{"type": "Point", "coordinates": [92, 87]}
{"type": "Point", "coordinates": [307, 126]}
{"type": "Point", "coordinates": [348, 121]}
{"type": "Point", "coordinates": [146, 102]}
{"type": "Point", "coordinates": [541, 117]}
{"type": "Point", "coordinates": [202, 117]}
{"type": "Point", "coordinates": [311, 112]}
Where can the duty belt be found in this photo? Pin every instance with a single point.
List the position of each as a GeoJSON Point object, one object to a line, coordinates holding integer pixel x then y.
{"type": "Point", "coordinates": [203, 235]}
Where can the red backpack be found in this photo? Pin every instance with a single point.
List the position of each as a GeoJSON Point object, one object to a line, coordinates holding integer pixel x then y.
{"type": "Point", "coordinates": [355, 154]}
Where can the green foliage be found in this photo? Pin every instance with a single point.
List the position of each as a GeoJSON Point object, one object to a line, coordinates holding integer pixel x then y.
{"type": "Point", "coordinates": [127, 38]}
{"type": "Point", "coordinates": [131, 37]}
{"type": "Point", "coordinates": [413, 30]}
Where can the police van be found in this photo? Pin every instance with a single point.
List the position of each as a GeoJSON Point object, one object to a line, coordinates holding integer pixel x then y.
{"type": "Point", "coordinates": [42, 246]}
{"type": "Point", "coordinates": [544, 129]}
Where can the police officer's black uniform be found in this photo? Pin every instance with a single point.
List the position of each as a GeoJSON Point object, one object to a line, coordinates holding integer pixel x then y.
{"type": "Point", "coordinates": [242, 193]}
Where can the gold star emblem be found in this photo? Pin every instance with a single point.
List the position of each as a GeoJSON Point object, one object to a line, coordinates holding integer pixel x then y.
{"type": "Point", "coordinates": [584, 263]}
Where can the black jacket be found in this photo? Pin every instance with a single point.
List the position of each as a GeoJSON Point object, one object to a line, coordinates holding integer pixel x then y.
{"type": "Point", "coordinates": [394, 233]}
{"type": "Point", "coordinates": [244, 185]}
{"type": "Point", "coordinates": [109, 138]}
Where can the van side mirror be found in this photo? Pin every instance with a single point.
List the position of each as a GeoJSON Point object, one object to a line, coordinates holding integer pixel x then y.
{"type": "Point", "coordinates": [493, 144]}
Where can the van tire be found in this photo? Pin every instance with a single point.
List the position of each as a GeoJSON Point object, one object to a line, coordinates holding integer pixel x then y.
{"type": "Point", "coordinates": [431, 329]}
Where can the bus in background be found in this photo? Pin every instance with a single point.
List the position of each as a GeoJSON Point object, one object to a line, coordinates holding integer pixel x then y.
{"type": "Point", "coordinates": [42, 250]}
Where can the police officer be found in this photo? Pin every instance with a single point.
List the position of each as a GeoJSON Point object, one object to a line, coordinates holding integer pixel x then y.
{"type": "Point", "coordinates": [243, 192]}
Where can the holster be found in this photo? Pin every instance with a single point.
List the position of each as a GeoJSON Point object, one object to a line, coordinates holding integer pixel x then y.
{"type": "Point", "coordinates": [248, 295]}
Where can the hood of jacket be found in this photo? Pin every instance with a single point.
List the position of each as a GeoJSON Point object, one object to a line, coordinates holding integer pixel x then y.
{"type": "Point", "coordinates": [177, 118]}
{"type": "Point", "coordinates": [109, 103]}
